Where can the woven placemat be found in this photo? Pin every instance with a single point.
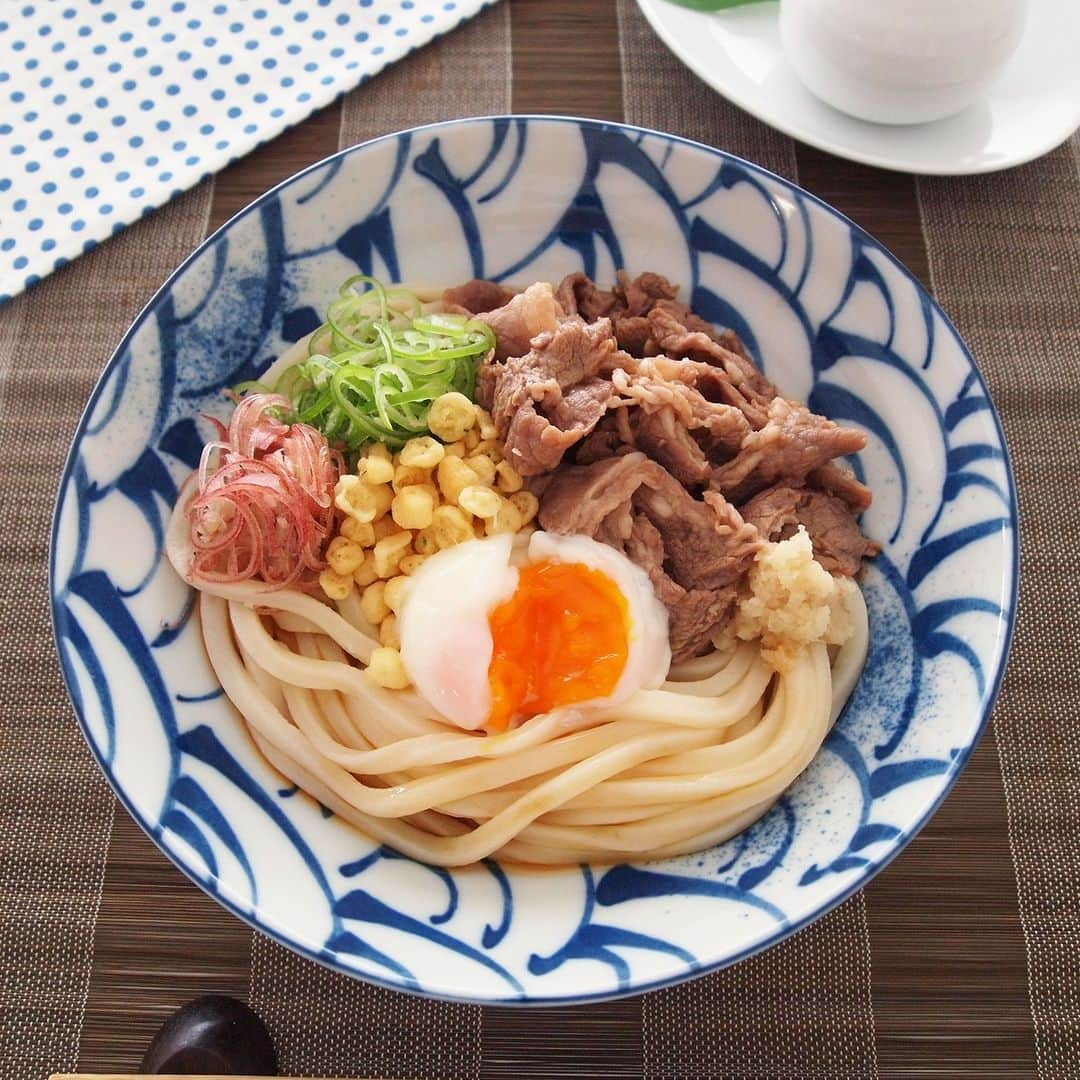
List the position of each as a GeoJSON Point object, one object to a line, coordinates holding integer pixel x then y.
{"type": "Point", "coordinates": [55, 808]}
{"type": "Point", "coordinates": [1005, 263]}
{"type": "Point", "coordinates": [100, 937]}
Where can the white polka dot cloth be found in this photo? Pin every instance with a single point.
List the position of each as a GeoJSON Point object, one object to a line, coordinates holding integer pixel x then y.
{"type": "Point", "coordinates": [109, 108]}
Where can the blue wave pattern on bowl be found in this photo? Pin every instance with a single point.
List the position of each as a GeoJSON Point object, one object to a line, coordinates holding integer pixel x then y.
{"type": "Point", "coordinates": [831, 317]}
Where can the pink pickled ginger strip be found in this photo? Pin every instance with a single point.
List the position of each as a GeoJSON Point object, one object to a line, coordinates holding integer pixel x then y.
{"type": "Point", "coordinates": [265, 506]}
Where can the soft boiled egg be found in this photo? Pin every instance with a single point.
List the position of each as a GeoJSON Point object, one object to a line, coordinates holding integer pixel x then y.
{"type": "Point", "coordinates": [492, 634]}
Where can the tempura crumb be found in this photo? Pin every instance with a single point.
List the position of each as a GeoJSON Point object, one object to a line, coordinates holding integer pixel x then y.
{"type": "Point", "coordinates": [792, 601]}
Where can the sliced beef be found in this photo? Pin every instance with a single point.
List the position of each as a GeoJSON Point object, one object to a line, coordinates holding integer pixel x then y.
{"type": "Point", "coordinates": [694, 615]}
{"type": "Point", "coordinates": [667, 418]}
{"type": "Point", "coordinates": [837, 480]}
{"type": "Point", "coordinates": [486, 378]}
{"type": "Point", "coordinates": [582, 496]}
{"type": "Point", "coordinates": [634, 299]}
{"type": "Point", "coordinates": [476, 296]}
{"type": "Point", "coordinates": [582, 405]}
{"type": "Point", "coordinates": [605, 441]}
{"type": "Point", "coordinates": [534, 444]}
{"type": "Point", "coordinates": [793, 443]}
{"type": "Point", "coordinates": [775, 511]}
{"type": "Point", "coordinates": [689, 455]}
{"type": "Point", "coordinates": [839, 546]}
{"type": "Point", "coordinates": [706, 346]}
{"type": "Point", "coordinates": [637, 296]}
{"type": "Point", "coordinates": [627, 305]}
{"type": "Point", "coordinates": [542, 429]}
{"type": "Point", "coordinates": [574, 351]}
{"type": "Point", "coordinates": [522, 318]}
{"type": "Point", "coordinates": [658, 432]}
{"type": "Point", "coordinates": [715, 385]}
{"type": "Point", "coordinates": [683, 454]}
{"type": "Point", "coordinates": [656, 383]}
{"type": "Point", "coordinates": [670, 443]}
{"type": "Point", "coordinates": [735, 379]}
{"type": "Point", "coordinates": [615, 530]}
{"type": "Point", "coordinates": [549, 399]}
{"type": "Point", "coordinates": [694, 551]}
{"type": "Point", "coordinates": [693, 323]}
{"type": "Point", "coordinates": [644, 545]}
{"type": "Point", "coordinates": [579, 295]}
{"type": "Point", "coordinates": [634, 334]}
{"type": "Point", "coordinates": [707, 543]}
{"type": "Point", "coordinates": [718, 434]}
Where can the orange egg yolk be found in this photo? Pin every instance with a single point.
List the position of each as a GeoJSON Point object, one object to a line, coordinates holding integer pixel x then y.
{"type": "Point", "coordinates": [560, 639]}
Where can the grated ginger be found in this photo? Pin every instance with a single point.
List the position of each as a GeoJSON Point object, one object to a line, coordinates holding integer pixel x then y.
{"type": "Point", "coordinates": [792, 601]}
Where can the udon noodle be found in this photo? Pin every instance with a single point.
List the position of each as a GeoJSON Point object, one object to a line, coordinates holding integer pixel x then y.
{"type": "Point", "coordinates": [670, 771]}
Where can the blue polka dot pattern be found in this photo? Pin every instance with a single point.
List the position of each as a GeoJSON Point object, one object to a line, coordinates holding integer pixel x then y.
{"type": "Point", "coordinates": [182, 90]}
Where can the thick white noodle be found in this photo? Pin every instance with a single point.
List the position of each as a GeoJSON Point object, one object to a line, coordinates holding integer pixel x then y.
{"type": "Point", "coordinates": [848, 663]}
{"type": "Point", "coordinates": [669, 771]}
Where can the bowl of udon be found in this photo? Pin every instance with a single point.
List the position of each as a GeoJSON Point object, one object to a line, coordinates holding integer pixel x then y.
{"type": "Point", "coordinates": [535, 560]}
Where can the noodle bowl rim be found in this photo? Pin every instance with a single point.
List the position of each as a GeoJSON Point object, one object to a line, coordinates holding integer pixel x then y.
{"type": "Point", "coordinates": [944, 784]}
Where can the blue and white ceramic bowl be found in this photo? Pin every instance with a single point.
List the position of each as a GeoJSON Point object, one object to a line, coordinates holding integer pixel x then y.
{"type": "Point", "coordinates": [833, 319]}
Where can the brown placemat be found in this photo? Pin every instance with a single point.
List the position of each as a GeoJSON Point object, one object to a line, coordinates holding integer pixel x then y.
{"type": "Point", "coordinates": [56, 810]}
{"type": "Point", "coordinates": [923, 974]}
{"type": "Point", "coordinates": [1005, 262]}
{"type": "Point", "coordinates": [800, 1009]}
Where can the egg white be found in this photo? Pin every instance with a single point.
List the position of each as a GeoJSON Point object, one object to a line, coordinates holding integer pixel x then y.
{"type": "Point", "coordinates": [446, 643]}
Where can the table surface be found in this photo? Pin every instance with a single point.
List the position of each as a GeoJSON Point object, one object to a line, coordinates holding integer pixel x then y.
{"type": "Point", "coordinates": [960, 959]}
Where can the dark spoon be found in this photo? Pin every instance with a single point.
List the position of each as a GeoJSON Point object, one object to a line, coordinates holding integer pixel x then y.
{"type": "Point", "coordinates": [212, 1034]}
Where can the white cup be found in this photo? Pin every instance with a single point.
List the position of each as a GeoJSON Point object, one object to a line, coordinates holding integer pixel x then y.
{"type": "Point", "coordinates": [900, 61]}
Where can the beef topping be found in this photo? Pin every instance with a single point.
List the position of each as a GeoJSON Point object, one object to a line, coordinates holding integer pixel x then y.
{"type": "Point", "coordinates": [627, 305]}
{"type": "Point", "coordinates": [741, 383]}
{"type": "Point", "coordinates": [841, 482]}
{"type": "Point", "coordinates": [694, 615]}
{"type": "Point", "coordinates": [669, 443]}
{"type": "Point", "coordinates": [549, 399]}
{"type": "Point", "coordinates": [839, 546]}
{"type": "Point", "coordinates": [792, 444]}
{"type": "Point", "coordinates": [681, 452]}
{"type": "Point", "coordinates": [522, 318]}
{"type": "Point", "coordinates": [578, 295]}
{"type": "Point", "coordinates": [476, 296]}
{"type": "Point", "coordinates": [694, 551]}
{"type": "Point", "coordinates": [637, 296]}
{"type": "Point", "coordinates": [659, 383]}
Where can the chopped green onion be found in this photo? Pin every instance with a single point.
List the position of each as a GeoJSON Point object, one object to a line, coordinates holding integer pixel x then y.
{"type": "Point", "coordinates": [377, 364]}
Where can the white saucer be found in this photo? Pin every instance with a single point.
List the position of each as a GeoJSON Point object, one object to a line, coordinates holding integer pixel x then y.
{"type": "Point", "coordinates": [1032, 107]}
